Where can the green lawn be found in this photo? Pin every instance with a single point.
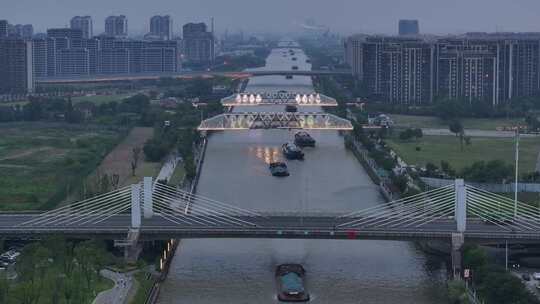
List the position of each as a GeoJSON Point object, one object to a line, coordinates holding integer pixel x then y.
{"type": "Point", "coordinates": [41, 162]}
{"type": "Point", "coordinates": [412, 121]}
{"type": "Point", "coordinates": [178, 175]}
{"type": "Point", "coordinates": [97, 99]}
{"type": "Point", "coordinates": [437, 148]}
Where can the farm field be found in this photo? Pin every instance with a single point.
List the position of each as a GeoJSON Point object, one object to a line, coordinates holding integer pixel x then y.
{"type": "Point", "coordinates": [41, 162]}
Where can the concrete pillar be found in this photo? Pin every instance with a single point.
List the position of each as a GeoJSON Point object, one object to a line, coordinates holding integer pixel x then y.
{"type": "Point", "coordinates": [460, 212]}
{"type": "Point", "coordinates": [135, 206]}
{"type": "Point", "coordinates": [458, 239]}
{"type": "Point", "coordinates": [148, 203]}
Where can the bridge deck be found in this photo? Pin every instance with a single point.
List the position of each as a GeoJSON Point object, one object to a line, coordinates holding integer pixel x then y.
{"type": "Point", "coordinates": [270, 226]}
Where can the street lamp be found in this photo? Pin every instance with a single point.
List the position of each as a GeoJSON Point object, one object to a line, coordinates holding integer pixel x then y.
{"type": "Point", "coordinates": [517, 170]}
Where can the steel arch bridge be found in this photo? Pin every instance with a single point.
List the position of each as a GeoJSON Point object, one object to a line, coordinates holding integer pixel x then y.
{"type": "Point", "coordinates": [279, 98]}
{"type": "Point", "coordinates": [275, 120]}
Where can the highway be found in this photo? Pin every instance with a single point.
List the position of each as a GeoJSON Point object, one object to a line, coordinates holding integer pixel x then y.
{"type": "Point", "coordinates": [189, 74]}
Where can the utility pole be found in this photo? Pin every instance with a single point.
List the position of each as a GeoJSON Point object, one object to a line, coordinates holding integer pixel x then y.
{"type": "Point", "coordinates": [517, 174]}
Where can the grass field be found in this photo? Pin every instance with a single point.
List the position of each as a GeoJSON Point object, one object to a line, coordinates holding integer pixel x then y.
{"type": "Point", "coordinates": [97, 99]}
{"type": "Point", "coordinates": [437, 148]}
{"type": "Point", "coordinates": [178, 175]}
{"type": "Point", "coordinates": [412, 121]}
{"type": "Point", "coordinates": [41, 162]}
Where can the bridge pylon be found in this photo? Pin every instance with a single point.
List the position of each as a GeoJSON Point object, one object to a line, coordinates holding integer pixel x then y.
{"type": "Point", "coordinates": [148, 203]}
{"type": "Point", "coordinates": [460, 213]}
{"type": "Point", "coordinates": [136, 206]}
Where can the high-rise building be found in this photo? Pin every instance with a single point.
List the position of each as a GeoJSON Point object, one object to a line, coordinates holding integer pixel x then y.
{"type": "Point", "coordinates": [16, 60]}
{"type": "Point", "coordinates": [199, 44]}
{"type": "Point", "coordinates": [408, 27]}
{"type": "Point", "coordinates": [467, 70]}
{"type": "Point", "coordinates": [476, 67]}
{"type": "Point", "coordinates": [72, 62]}
{"type": "Point", "coordinates": [3, 28]}
{"type": "Point", "coordinates": [116, 26]}
{"type": "Point", "coordinates": [40, 57]}
{"type": "Point", "coordinates": [83, 23]}
{"type": "Point", "coordinates": [397, 70]}
{"type": "Point", "coordinates": [161, 27]}
{"type": "Point", "coordinates": [25, 31]}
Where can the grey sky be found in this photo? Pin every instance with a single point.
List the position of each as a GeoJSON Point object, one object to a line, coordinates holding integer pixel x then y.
{"type": "Point", "coordinates": [347, 16]}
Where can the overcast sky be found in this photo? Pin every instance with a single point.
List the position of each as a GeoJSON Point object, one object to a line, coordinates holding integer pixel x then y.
{"type": "Point", "coordinates": [345, 16]}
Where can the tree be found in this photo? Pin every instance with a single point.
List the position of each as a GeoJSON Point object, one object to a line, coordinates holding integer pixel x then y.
{"type": "Point", "coordinates": [417, 133]}
{"type": "Point", "coordinates": [135, 159]}
{"type": "Point", "coordinates": [406, 135]}
{"type": "Point", "coordinates": [5, 288]}
{"type": "Point", "coordinates": [431, 169]}
{"type": "Point", "coordinates": [457, 292]}
{"type": "Point", "coordinates": [457, 128]}
{"type": "Point", "coordinates": [446, 168]}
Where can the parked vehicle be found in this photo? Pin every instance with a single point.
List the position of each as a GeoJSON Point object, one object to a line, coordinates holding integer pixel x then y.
{"type": "Point", "coordinates": [526, 277]}
{"type": "Point", "coordinates": [536, 275]}
{"type": "Point", "coordinates": [9, 256]}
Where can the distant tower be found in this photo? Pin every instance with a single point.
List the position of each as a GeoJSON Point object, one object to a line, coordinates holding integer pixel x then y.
{"type": "Point", "coordinates": [161, 26]}
{"type": "Point", "coordinates": [116, 26]}
{"type": "Point", "coordinates": [83, 23]}
{"type": "Point", "coordinates": [409, 27]}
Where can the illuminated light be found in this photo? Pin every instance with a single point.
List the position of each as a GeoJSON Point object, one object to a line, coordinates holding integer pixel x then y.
{"type": "Point", "coordinates": [251, 98]}
{"type": "Point", "coordinates": [298, 98]}
{"type": "Point", "coordinates": [161, 264]}
{"type": "Point", "coordinates": [259, 98]}
{"type": "Point", "coordinates": [304, 98]}
{"type": "Point", "coordinates": [245, 98]}
{"type": "Point", "coordinates": [238, 98]}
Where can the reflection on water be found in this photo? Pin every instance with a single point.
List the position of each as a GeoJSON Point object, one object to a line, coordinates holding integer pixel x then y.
{"type": "Point", "coordinates": [268, 154]}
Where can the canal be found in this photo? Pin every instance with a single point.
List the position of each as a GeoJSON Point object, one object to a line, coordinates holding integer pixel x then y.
{"type": "Point", "coordinates": [330, 179]}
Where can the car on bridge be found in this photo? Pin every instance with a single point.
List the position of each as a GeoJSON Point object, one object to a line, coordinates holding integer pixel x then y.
{"type": "Point", "coordinates": [292, 151]}
{"type": "Point", "coordinates": [279, 169]}
{"type": "Point", "coordinates": [295, 67]}
{"type": "Point", "coordinates": [290, 282]}
{"type": "Point", "coordinates": [303, 139]}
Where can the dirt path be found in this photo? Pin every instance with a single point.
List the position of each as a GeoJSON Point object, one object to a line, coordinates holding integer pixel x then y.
{"type": "Point", "coordinates": [118, 161]}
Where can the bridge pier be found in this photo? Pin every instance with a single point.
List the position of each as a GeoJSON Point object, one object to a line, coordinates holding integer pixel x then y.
{"type": "Point", "coordinates": [458, 239]}
{"type": "Point", "coordinates": [132, 248]}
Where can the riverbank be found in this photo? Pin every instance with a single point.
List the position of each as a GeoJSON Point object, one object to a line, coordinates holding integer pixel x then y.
{"type": "Point", "coordinates": [153, 294]}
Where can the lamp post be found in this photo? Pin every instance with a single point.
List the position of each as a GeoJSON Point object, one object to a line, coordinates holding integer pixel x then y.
{"type": "Point", "coordinates": [517, 170]}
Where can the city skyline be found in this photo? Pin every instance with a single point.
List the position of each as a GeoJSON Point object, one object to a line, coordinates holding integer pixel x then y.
{"type": "Point", "coordinates": [436, 17]}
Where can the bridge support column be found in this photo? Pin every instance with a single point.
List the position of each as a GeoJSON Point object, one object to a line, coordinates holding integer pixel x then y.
{"type": "Point", "coordinates": [135, 206]}
{"type": "Point", "coordinates": [458, 239]}
{"type": "Point", "coordinates": [460, 213]}
{"type": "Point", "coordinates": [148, 203]}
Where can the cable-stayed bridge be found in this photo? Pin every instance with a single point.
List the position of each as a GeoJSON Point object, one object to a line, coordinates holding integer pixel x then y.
{"type": "Point", "coordinates": [159, 211]}
{"type": "Point", "coordinates": [148, 211]}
